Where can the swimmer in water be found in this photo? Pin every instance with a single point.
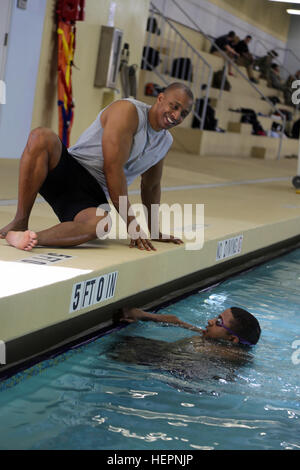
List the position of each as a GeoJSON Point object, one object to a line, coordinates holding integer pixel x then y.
{"type": "Point", "coordinates": [221, 347]}
{"type": "Point", "coordinates": [234, 324]}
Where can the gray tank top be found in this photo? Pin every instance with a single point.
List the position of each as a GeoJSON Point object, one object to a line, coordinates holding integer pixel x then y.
{"type": "Point", "coordinates": [148, 147]}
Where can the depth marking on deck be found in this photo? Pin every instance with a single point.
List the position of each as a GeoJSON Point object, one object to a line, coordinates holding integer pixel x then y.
{"type": "Point", "coordinates": [93, 291]}
{"type": "Point", "coordinates": [229, 247]}
{"type": "Point", "coordinates": [46, 258]}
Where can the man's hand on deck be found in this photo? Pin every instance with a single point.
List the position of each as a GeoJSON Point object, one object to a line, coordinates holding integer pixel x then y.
{"type": "Point", "coordinates": [139, 239]}
{"type": "Point", "coordinates": [167, 239]}
{"type": "Point", "coordinates": [143, 243]}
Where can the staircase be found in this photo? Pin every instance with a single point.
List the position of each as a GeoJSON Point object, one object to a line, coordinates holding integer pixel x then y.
{"type": "Point", "coordinates": [172, 41]}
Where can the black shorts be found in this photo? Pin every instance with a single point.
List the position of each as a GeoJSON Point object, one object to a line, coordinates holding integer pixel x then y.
{"type": "Point", "coordinates": [69, 188]}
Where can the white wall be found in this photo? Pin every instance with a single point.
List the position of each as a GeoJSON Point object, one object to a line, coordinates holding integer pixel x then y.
{"type": "Point", "coordinates": [292, 59]}
{"type": "Point", "coordinates": [23, 57]}
{"type": "Point", "coordinates": [4, 28]}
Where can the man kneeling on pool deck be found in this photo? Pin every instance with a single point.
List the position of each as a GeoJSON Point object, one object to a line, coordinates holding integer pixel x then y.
{"type": "Point", "coordinates": [128, 139]}
{"type": "Point", "coordinates": [234, 325]}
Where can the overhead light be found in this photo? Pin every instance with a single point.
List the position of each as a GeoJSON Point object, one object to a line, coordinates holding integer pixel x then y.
{"type": "Point", "coordinates": [293, 12]}
{"type": "Point", "coordinates": [286, 1]}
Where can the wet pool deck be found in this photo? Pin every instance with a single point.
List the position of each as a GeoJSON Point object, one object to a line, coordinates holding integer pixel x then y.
{"type": "Point", "coordinates": [248, 201]}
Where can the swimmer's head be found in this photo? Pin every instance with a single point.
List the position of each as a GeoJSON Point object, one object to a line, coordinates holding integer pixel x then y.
{"type": "Point", "coordinates": [235, 325]}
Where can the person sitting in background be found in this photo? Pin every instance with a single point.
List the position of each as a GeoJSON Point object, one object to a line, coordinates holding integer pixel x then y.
{"type": "Point", "coordinates": [264, 64]}
{"type": "Point", "coordinates": [245, 58]}
{"type": "Point", "coordinates": [277, 83]}
{"type": "Point", "coordinates": [225, 43]}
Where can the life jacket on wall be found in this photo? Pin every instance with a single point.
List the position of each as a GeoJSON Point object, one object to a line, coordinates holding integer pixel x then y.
{"type": "Point", "coordinates": [68, 12]}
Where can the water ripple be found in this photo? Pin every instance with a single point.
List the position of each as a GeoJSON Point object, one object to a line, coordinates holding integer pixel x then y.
{"type": "Point", "coordinates": [206, 420]}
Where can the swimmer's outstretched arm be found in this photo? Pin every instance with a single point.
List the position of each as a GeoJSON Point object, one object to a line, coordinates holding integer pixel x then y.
{"type": "Point", "coordinates": [131, 315]}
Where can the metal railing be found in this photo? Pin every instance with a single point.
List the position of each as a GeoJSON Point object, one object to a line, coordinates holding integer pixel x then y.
{"type": "Point", "coordinates": [172, 58]}
{"type": "Point", "coordinates": [285, 51]}
{"type": "Point", "coordinates": [277, 60]}
{"type": "Point", "coordinates": [292, 53]}
{"type": "Point", "coordinates": [236, 68]}
{"type": "Point", "coordinates": [288, 73]}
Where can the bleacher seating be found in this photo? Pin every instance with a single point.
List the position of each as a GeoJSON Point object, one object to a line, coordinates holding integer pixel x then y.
{"type": "Point", "coordinates": [237, 140]}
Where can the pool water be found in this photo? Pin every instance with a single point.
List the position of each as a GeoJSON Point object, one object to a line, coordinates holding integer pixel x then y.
{"type": "Point", "coordinates": [144, 392]}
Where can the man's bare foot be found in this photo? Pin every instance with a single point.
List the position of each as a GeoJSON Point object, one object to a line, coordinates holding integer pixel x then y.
{"type": "Point", "coordinates": [16, 225]}
{"type": "Point", "coordinates": [22, 240]}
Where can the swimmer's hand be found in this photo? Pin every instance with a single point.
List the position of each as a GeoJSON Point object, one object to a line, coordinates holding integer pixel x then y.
{"type": "Point", "coordinates": [131, 315]}
{"type": "Point", "coordinates": [168, 239]}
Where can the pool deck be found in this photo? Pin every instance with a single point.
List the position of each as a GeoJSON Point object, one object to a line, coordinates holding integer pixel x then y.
{"type": "Point", "coordinates": [246, 200]}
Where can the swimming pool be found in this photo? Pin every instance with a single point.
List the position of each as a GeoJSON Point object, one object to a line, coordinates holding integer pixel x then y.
{"type": "Point", "coordinates": [159, 397]}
